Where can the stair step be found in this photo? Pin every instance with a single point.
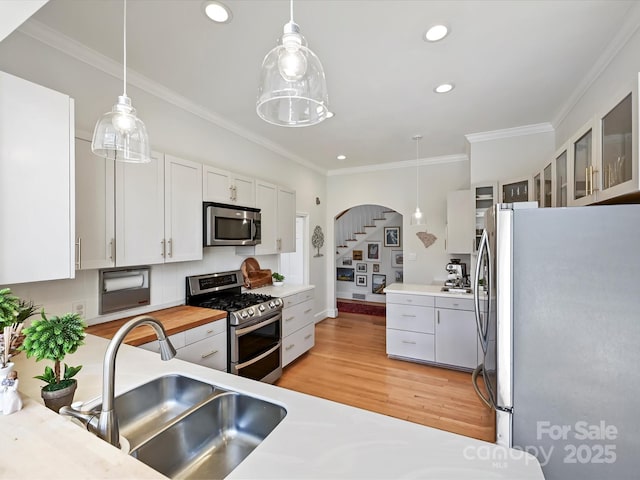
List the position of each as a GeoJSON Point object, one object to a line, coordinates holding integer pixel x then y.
{"type": "Point", "coordinates": [359, 233]}
{"type": "Point", "coordinates": [351, 240]}
{"type": "Point", "coordinates": [379, 219]}
{"type": "Point", "coordinates": [342, 246]}
{"type": "Point", "coordinates": [369, 226]}
{"type": "Point", "coordinates": [389, 211]}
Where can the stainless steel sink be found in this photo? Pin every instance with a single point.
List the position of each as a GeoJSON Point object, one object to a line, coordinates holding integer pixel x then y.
{"type": "Point", "coordinates": [211, 440]}
{"type": "Point", "coordinates": [149, 408]}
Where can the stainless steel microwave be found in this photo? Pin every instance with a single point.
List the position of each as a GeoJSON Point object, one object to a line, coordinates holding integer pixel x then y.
{"type": "Point", "coordinates": [230, 225]}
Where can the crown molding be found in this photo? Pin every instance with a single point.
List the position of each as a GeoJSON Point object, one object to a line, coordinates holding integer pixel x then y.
{"type": "Point", "coordinates": [402, 164]}
{"type": "Point", "coordinates": [627, 30]}
{"type": "Point", "coordinates": [509, 132]}
{"type": "Point", "coordinates": [53, 38]}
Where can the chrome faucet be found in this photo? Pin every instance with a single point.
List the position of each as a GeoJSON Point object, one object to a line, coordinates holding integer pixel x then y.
{"type": "Point", "coordinates": [105, 422]}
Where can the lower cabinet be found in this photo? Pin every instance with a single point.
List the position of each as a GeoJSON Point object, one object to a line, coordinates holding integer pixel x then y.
{"type": "Point", "coordinates": [205, 345]}
{"type": "Point", "coordinates": [298, 326]}
{"type": "Point", "coordinates": [432, 329]}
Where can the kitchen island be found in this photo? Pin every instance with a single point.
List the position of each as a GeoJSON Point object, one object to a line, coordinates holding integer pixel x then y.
{"type": "Point", "coordinates": [316, 439]}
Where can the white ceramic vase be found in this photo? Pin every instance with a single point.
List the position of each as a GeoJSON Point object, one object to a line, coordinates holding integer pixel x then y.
{"type": "Point", "coordinates": [4, 371]}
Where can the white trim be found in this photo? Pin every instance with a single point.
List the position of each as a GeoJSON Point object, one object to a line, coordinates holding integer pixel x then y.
{"type": "Point", "coordinates": [81, 52]}
{"type": "Point", "coordinates": [462, 157]}
{"type": "Point", "coordinates": [625, 32]}
{"type": "Point", "coordinates": [324, 314]}
{"type": "Point", "coordinates": [509, 132]}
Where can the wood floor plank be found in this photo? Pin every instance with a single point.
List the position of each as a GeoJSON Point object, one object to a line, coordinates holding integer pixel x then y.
{"type": "Point", "coordinates": [349, 365]}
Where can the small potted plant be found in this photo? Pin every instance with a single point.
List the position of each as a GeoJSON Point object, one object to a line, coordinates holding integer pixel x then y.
{"type": "Point", "coordinates": [52, 339]}
{"type": "Point", "coordinates": [13, 312]}
{"type": "Point", "coordinates": [278, 279]}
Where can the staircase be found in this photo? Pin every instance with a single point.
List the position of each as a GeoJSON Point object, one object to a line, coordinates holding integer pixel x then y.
{"type": "Point", "coordinates": [358, 224]}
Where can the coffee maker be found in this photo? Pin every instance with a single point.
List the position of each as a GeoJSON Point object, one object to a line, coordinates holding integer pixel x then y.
{"type": "Point", "coordinates": [457, 274]}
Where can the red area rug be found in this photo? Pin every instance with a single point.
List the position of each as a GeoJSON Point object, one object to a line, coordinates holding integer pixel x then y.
{"type": "Point", "coordinates": [379, 310]}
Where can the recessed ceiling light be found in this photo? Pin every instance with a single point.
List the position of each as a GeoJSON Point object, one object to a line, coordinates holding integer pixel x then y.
{"type": "Point", "coordinates": [435, 33]}
{"type": "Point", "coordinates": [218, 12]}
{"type": "Point", "coordinates": [341, 157]}
{"type": "Point", "coordinates": [444, 88]}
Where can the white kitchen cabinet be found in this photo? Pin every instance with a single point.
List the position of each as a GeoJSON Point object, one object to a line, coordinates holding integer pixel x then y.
{"type": "Point", "coordinates": [227, 187]}
{"type": "Point", "coordinates": [459, 237]}
{"type": "Point", "coordinates": [37, 182]}
{"type": "Point", "coordinates": [182, 209]}
{"type": "Point", "coordinates": [516, 190]}
{"type": "Point", "coordinates": [410, 327]}
{"type": "Point", "coordinates": [456, 333]}
{"type": "Point", "coordinates": [560, 174]}
{"type": "Point", "coordinates": [278, 219]}
{"type": "Point", "coordinates": [95, 209]}
{"type": "Point", "coordinates": [483, 197]}
{"type": "Point", "coordinates": [205, 345]}
{"type": "Point", "coordinates": [140, 212]}
{"type": "Point", "coordinates": [583, 165]}
{"type": "Point", "coordinates": [298, 326]}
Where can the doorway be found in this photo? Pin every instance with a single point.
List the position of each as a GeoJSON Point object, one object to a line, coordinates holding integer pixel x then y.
{"type": "Point", "coordinates": [295, 266]}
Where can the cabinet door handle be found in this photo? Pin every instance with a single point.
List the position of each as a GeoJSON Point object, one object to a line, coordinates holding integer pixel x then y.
{"type": "Point", "coordinates": [407, 315]}
{"type": "Point", "coordinates": [407, 341]}
{"type": "Point", "coordinates": [230, 192]}
{"type": "Point", "coordinates": [307, 337]}
{"type": "Point", "coordinates": [307, 311]}
{"type": "Point", "coordinates": [79, 254]}
{"type": "Point", "coordinates": [164, 248]}
{"type": "Point", "coordinates": [170, 247]}
{"type": "Point", "coordinates": [290, 347]}
{"type": "Point", "coordinates": [409, 300]}
{"type": "Point", "coordinates": [289, 319]}
{"type": "Point", "coordinates": [438, 316]}
{"type": "Point", "coordinates": [209, 332]}
{"type": "Point", "coordinates": [207, 355]}
{"type": "Point", "coordinates": [112, 249]}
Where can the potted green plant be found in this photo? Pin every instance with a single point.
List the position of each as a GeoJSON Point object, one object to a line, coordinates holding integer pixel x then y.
{"type": "Point", "coordinates": [13, 312]}
{"type": "Point", "coordinates": [278, 279]}
{"type": "Point", "coordinates": [52, 339]}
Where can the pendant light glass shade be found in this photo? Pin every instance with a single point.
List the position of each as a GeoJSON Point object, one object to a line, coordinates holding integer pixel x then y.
{"type": "Point", "coordinates": [119, 134]}
{"type": "Point", "coordinates": [417, 217]}
{"type": "Point", "coordinates": [293, 88]}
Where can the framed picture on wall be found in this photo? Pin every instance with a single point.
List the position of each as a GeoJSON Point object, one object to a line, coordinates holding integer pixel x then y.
{"type": "Point", "coordinates": [361, 280]}
{"type": "Point", "coordinates": [347, 261]}
{"type": "Point", "coordinates": [357, 254]}
{"type": "Point", "coordinates": [376, 267]}
{"type": "Point", "coordinates": [361, 267]}
{"type": "Point", "coordinates": [391, 236]}
{"type": "Point", "coordinates": [372, 252]}
{"type": "Point", "coordinates": [378, 282]}
{"type": "Point", "coordinates": [344, 274]}
{"type": "Point", "coordinates": [397, 259]}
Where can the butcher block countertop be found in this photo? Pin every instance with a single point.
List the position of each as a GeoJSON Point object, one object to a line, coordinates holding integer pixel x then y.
{"type": "Point", "coordinates": [174, 319]}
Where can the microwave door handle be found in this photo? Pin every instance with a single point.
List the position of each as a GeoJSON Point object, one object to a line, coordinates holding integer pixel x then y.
{"type": "Point", "coordinates": [254, 229]}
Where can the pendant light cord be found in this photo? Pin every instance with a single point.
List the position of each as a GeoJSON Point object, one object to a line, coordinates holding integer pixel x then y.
{"type": "Point", "coordinates": [291, 11]}
{"type": "Point", "coordinates": [417, 138]}
{"type": "Point", "coordinates": [124, 47]}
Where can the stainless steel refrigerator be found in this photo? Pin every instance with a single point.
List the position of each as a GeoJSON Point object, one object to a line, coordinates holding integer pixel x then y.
{"type": "Point", "coordinates": [558, 315]}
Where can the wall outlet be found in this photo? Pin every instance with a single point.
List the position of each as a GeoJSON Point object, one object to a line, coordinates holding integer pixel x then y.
{"type": "Point", "coordinates": [79, 307]}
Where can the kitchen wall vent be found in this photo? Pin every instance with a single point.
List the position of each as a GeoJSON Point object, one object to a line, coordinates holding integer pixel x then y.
{"type": "Point", "coordinates": [359, 296]}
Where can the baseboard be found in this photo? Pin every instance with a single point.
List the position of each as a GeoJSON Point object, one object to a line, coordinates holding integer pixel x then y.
{"type": "Point", "coordinates": [329, 312]}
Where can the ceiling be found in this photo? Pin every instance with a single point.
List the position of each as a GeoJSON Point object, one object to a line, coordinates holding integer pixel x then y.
{"type": "Point", "coordinates": [513, 63]}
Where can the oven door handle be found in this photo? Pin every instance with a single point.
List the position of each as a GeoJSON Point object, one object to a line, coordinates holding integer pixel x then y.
{"type": "Point", "coordinates": [258, 358]}
{"type": "Point", "coordinates": [243, 331]}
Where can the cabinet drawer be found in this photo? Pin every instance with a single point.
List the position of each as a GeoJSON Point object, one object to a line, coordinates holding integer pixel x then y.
{"type": "Point", "coordinates": [455, 303]}
{"type": "Point", "coordinates": [206, 330]}
{"type": "Point", "coordinates": [296, 317]}
{"type": "Point", "coordinates": [297, 298]}
{"type": "Point", "coordinates": [210, 352]}
{"type": "Point", "coordinates": [177, 340]}
{"type": "Point", "coordinates": [410, 317]}
{"type": "Point", "coordinates": [418, 346]}
{"type": "Point", "coordinates": [297, 343]}
{"type": "Point", "coordinates": [403, 299]}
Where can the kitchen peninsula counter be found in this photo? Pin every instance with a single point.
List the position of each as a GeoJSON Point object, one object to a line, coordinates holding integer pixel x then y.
{"type": "Point", "coordinates": [317, 438]}
{"type": "Point", "coordinates": [420, 289]}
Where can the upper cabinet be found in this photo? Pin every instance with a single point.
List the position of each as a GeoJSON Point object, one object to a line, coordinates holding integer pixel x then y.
{"type": "Point", "coordinates": [560, 169]}
{"type": "Point", "coordinates": [583, 165]}
{"type": "Point", "coordinates": [518, 190]}
{"type": "Point", "coordinates": [37, 177]}
{"type": "Point", "coordinates": [483, 197]}
{"type": "Point", "coordinates": [278, 220]}
{"type": "Point", "coordinates": [227, 187]}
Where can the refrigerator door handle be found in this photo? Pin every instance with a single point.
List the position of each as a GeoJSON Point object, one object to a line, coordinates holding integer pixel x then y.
{"type": "Point", "coordinates": [482, 250]}
{"type": "Point", "coordinates": [474, 381]}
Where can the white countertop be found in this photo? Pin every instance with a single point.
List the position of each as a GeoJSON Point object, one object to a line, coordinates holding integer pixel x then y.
{"type": "Point", "coordinates": [419, 289]}
{"type": "Point", "coordinates": [317, 438]}
{"type": "Point", "coordinates": [281, 291]}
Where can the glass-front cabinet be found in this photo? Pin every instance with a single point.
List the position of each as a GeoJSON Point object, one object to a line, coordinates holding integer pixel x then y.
{"type": "Point", "coordinates": [484, 197]}
{"type": "Point", "coordinates": [560, 177]}
{"type": "Point", "coordinates": [583, 164]}
{"type": "Point", "coordinates": [547, 190]}
{"type": "Point", "coordinates": [516, 190]}
{"type": "Point", "coordinates": [537, 190]}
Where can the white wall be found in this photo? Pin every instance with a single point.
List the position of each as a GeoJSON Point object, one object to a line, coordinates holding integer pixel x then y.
{"type": "Point", "coordinates": [172, 130]}
{"type": "Point", "coordinates": [510, 158]}
{"type": "Point", "coordinates": [13, 13]}
{"type": "Point", "coordinates": [395, 189]}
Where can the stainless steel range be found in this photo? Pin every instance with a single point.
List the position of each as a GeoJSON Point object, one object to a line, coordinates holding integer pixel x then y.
{"type": "Point", "coordinates": [254, 340]}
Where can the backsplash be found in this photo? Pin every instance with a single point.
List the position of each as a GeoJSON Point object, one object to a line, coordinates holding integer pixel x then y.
{"type": "Point", "coordinates": [167, 285]}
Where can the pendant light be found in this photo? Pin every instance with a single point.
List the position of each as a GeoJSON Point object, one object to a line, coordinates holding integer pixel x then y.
{"type": "Point", "coordinates": [416, 217]}
{"type": "Point", "coordinates": [119, 134]}
{"type": "Point", "coordinates": [293, 88]}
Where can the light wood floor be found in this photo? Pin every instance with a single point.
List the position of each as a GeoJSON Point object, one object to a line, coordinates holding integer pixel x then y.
{"type": "Point", "coordinates": [349, 365]}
